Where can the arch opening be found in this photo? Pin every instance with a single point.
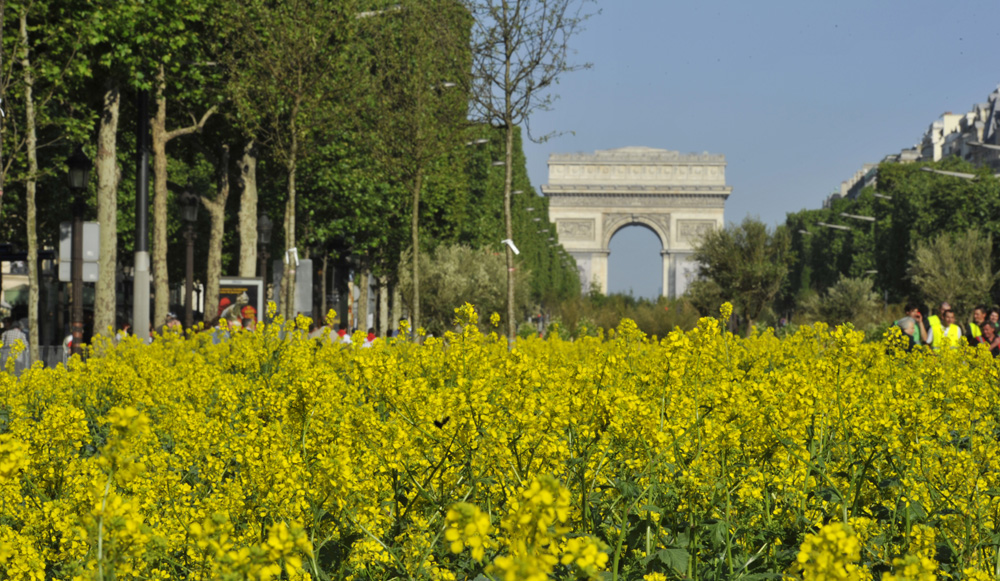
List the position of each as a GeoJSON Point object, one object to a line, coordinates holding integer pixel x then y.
{"type": "Point", "coordinates": [635, 262]}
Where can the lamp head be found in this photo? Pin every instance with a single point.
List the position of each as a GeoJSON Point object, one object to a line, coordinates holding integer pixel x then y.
{"type": "Point", "coordinates": [264, 228]}
{"type": "Point", "coordinates": [79, 170]}
{"type": "Point", "coordinates": [189, 206]}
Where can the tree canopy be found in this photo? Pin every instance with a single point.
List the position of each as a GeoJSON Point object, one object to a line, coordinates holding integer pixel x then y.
{"type": "Point", "coordinates": [912, 207]}
{"type": "Point", "coordinates": [748, 262]}
{"type": "Point", "coordinates": [339, 101]}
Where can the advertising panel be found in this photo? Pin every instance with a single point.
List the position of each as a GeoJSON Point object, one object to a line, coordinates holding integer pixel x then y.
{"type": "Point", "coordinates": [239, 298]}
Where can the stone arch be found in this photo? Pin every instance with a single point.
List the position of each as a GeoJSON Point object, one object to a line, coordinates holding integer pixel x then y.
{"type": "Point", "coordinates": [658, 223]}
{"type": "Point", "coordinates": [594, 195]}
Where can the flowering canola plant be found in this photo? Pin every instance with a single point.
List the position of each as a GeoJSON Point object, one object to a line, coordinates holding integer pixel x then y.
{"type": "Point", "coordinates": [699, 455]}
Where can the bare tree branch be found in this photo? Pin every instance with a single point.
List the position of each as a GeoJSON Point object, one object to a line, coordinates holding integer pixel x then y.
{"type": "Point", "coordinates": [195, 127]}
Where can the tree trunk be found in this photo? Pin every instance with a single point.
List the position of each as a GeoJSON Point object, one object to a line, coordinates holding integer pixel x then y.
{"type": "Point", "coordinates": [415, 243]}
{"type": "Point", "coordinates": [158, 258]}
{"type": "Point", "coordinates": [363, 299]}
{"type": "Point", "coordinates": [509, 230]}
{"type": "Point", "coordinates": [248, 212]}
{"type": "Point", "coordinates": [397, 310]}
{"type": "Point", "coordinates": [31, 147]}
{"type": "Point", "coordinates": [160, 138]}
{"type": "Point", "coordinates": [217, 214]}
{"type": "Point", "coordinates": [105, 300]}
{"type": "Point", "coordinates": [288, 281]}
{"type": "Point", "coordinates": [383, 306]}
{"type": "Point", "coordinates": [3, 95]}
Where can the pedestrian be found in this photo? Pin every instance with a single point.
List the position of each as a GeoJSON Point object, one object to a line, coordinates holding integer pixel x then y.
{"type": "Point", "coordinates": [370, 338]}
{"type": "Point", "coordinates": [936, 322]}
{"type": "Point", "coordinates": [172, 323]}
{"type": "Point", "coordinates": [67, 345]}
{"type": "Point", "coordinates": [978, 318]}
{"type": "Point", "coordinates": [908, 326]}
{"type": "Point", "coordinates": [123, 330]}
{"type": "Point", "coordinates": [919, 328]}
{"type": "Point", "coordinates": [14, 333]}
{"type": "Point", "coordinates": [989, 338]}
{"type": "Point", "coordinates": [342, 336]}
{"type": "Point", "coordinates": [948, 335]}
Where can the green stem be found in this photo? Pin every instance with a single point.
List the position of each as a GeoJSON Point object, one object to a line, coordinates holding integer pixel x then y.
{"type": "Point", "coordinates": [100, 531]}
{"type": "Point", "coordinates": [729, 536]}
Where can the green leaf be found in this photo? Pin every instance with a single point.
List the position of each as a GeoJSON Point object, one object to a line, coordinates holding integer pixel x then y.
{"type": "Point", "coordinates": [676, 559]}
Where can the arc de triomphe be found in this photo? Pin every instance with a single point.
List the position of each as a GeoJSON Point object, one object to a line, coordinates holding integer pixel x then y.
{"type": "Point", "coordinates": [677, 196]}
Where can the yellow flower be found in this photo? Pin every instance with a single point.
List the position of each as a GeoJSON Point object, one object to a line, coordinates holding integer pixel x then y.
{"type": "Point", "coordinates": [832, 553]}
{"type": "Point", "coordinates": [467, 526]}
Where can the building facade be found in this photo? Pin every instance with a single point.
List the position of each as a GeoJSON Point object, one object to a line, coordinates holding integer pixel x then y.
{"type": "Point", "coordinates": [974, 136]}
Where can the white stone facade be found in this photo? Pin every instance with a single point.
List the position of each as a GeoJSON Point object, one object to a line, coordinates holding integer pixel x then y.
{"type": "Point", "coordinates": [973, 136]}
{"type": "Point", "coordinates": [677, 196]}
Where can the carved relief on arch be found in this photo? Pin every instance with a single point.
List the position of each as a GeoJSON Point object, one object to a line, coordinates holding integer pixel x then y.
{"type": "Point", "coordinates": [575, 229]}
{"type": "Point", "coordinates": [692, 230]}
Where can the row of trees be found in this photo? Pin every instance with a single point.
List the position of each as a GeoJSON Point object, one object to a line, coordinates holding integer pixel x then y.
{"type": "Point", "coordinates": [928, 237]}
{"type": "Point", "coordinates": [927, 227]}
{"type": "Point", "coordinates": [372, 127]}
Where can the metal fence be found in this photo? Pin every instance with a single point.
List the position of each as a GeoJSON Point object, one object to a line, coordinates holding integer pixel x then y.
{"type": "Point", "coordinates": [50, 356]}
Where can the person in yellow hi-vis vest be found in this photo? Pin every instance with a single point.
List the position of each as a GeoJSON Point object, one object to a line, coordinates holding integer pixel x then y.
{"type": "Point", "coordinates": [978, 318]}
{"type": "Point", "coordinates": [936, 324]}
{"type": "Point", "coordinates": [947, 335]}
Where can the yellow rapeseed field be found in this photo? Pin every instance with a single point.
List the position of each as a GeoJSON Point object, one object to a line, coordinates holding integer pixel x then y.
{"type": "Point", "coordinates": [700, 455]}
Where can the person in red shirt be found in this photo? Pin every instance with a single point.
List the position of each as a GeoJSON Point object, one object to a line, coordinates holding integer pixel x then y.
{"type": "Point", "coordinates": [988, 338]}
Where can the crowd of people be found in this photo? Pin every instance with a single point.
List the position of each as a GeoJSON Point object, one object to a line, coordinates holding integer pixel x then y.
{"type": "Point", "coordinates": [234, 318]}
{"type": "Point", "coordinates": [943, 329]}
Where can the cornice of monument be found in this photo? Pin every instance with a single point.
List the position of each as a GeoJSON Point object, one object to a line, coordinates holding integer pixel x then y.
{"type": "Point", "coordinates": [636, 154]}
{"type": "Point", "coordinates": [556, 190]}
{"type": "Point", "coordinates": [647, 202]}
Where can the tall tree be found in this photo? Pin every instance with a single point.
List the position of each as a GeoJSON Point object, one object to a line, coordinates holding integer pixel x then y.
{"type": "Point", "coordinates": [161, 46]}
{"type": "Point", "coordinates": [105, 298]}
{"type": "Point", "coordinates": [106, 161]}
{"type": "Point", "coordinates": [287, 68]}
{"type": "Point", "coordinates": [520, 49]}
{"type": "Point", "coordinates": [3, 95]}
{"type": "Point", "coordinates": [50, 67]}
{"type": "Point", "coordinates": [30, 183]}
{"type": "Point", "coordinates": [160, 137]}
{"type": "Point", "coordinates": [420, 54]}
{"type": "Point", "coordinates": [748, 262]}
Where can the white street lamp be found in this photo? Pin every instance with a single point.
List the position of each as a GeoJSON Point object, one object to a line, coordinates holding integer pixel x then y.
{"type": "Point", "coordinates": [857, 217]}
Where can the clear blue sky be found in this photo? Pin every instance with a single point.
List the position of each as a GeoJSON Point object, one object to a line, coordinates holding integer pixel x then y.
{"type": "Point", "coordinates": [797, 95]}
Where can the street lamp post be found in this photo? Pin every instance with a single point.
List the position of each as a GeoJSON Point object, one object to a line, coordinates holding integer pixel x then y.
{"type": "Point", "coordinates": [189, 215]}
{"type": "Point", "coordinates": [78, 177]}
{"type": "Point", "coordinates": [140, 269]}
{"type": "Point", "coordinates": [264, 227]}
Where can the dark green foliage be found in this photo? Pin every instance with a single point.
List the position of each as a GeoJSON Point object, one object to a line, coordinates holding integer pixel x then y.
{"type": "Point", "coordinates": [923, 205]}
{"type": "Point", "coordinates": [351, 201]}
{"type": "Point", "coordinates": [748, 263]}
